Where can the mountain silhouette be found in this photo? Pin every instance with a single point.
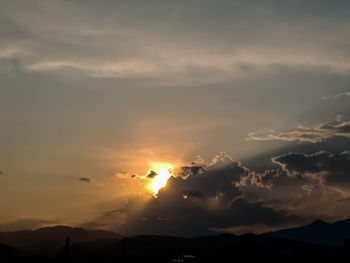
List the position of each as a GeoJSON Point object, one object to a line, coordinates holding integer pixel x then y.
{"type": "Point", "coordinates": [316, 241]}
{"type": "Point", "coordinates": [12, 254]}
{"type": "Point", "coordinates": [48, 240]}
{"type": "Point", "coordinates": [317, 232]}
{"type": "Point", "coordinates": [219, 248]}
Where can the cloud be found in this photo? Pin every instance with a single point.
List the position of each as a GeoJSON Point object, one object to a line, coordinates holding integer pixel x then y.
{"type": "Point", "coordinates": [186, 171]}
{"type": "Point", "coordinates": [308, 185]}
{"type": "Point", "coordinates": [328, 168]}
{"type": "Point", "coordinates": [85, 179]}
{"type": "Point", "coordinates": [125, 175]}
{"type": "Point", "coordinates": [193, 216]}
{"type": "Point", "coordinates": [175, 65]}
{"type": "Point", "coordinates": [207, 200]}
{"type": "Point", "coordinates": [189, 67]}
{"type": "Point", "coordinates": [260, 180]}
{"type": "Point", "coordinates": [26, 223]}
{"type": "Point", "coordinates": [225, 195]}
{"type": "Point", "coordinates": [95, 68]}
{"type": "Point", "coordinates": [14, 51]}
{"type": "Point", "coordinates": [123, 44]}
{"type": "Point", "coordinates": [313, 134]}
{"type": "Point", "coordinates": [336, 96]}
{"type": "Point", "coordinates": [151, 174]}
{"type": "Point", "coordinates": [190, 46]}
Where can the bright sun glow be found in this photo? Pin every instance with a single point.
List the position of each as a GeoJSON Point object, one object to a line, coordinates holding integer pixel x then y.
{"type": "Point", "coordinates": [164, 172]}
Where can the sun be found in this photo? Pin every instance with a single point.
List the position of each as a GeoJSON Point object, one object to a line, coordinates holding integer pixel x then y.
{"type": "Point", "coordinates": [163, 172]}
{"type": "Point", "coordinates": [161, 179]}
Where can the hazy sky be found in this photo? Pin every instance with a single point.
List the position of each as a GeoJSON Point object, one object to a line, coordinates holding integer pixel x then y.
{"type": "Point", "coordinates": [93, 92]}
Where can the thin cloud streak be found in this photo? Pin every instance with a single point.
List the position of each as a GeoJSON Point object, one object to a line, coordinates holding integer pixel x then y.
{"type": "Point", "coordinates": [336, 96]}
{"type": "Point", "coordinates": [313, 134]}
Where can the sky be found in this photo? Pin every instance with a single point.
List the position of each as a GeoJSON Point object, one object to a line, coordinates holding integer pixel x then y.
{"type": "Point", "coordinates": [246, 101]}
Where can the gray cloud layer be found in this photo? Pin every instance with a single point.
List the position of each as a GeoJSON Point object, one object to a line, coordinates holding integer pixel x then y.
{"type": "Point", "coordinates": [135, 41]}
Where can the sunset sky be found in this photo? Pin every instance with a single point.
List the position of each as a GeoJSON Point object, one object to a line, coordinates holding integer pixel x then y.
{"type": "Point", "coordinates": [244, 103]}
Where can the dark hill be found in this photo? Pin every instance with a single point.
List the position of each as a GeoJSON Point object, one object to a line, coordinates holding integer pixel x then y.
{"type": "Point", "coordinates": [316, 241]}
{"type": "Point", "coordinates": [48, 240]}
{"type": "Point", "coordinates": [12, 254]}
{"type": "Point", "coordinates": [318, 232]}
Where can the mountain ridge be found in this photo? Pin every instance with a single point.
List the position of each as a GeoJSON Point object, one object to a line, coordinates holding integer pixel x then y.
{"type": "Point", "coordinates": [316, 232]}
{"type": "Point", "coordinates": [47, 240]}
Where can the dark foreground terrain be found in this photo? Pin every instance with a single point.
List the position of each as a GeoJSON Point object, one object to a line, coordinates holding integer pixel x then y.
{"type": "Point", "coordinates": [316, 241]}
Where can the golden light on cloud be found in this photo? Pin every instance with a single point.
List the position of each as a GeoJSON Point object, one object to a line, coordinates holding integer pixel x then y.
{"type": "Point", "coordinates": [162, 172]}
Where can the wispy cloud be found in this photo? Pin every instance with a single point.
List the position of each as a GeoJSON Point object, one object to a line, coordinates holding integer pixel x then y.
{"type": "Point", "coordinates": [187, 62]}
{"type": "Point", "coordinates": [100, 69]}
{"type": "Point", "coordinates": [312, 134]}
{"type": "Point", "coordinates": [336, 96]}
{"type": "Point", "coordinates": [116, 48]}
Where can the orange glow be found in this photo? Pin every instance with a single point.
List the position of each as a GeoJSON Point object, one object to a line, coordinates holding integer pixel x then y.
{"type": "Point", "coordinates": [164, 172]}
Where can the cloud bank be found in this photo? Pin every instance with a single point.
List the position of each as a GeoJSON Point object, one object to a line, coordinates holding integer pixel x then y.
{"type": "Point", "coordinates": [226, 196]}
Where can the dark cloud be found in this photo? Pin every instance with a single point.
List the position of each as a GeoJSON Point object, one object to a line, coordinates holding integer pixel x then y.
{"type": "Point", "coordinates": [216, 181]}
{"type": "Point", "coordinates": [85, 179]}
{"type": "Point", "coordinates": [227, 196]}
{"type": "Point", "coordinates": [260, 180]}
{"type": "Point", "coordinates": [329, 168]}
{"type": "Point", "coordinates": [186, 171]}
{"type": "Point", "coordinates": [314, 134]}
{"type": "Point", "coordinates": [26, 223]}
{"type": "Point", "coordinates": [206, 202]}
{"type": "Point", "coordinates": [192, 193]}
{"type": "Point", "coordinates": [191, 217]}
{"type": "Point", "coordinates": [151, 174]}
{"type": "Point", "coordinates": [314, 185]}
